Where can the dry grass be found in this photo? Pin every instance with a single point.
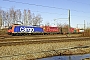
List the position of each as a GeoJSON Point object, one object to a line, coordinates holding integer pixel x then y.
{"type": "Point", "coordinates": [86, 33]}
{"type": "Point", "coordinates": [3, 31]}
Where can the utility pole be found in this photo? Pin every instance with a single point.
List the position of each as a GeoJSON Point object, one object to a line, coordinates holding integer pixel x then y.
{"type": "Point", "coordinates": [77, 25]}
{"type": "Point", "coordinates": [69, 23]}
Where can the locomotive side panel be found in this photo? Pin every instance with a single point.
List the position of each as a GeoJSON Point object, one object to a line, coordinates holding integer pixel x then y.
{"type": "Point", "coordinates": [27, 29]}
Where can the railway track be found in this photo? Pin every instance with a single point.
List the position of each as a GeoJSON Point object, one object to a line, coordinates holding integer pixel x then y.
{"type": "Point", "coordinates": [39, 40]}
{"type": "Point", "coordinates": [33, 38]}
{"type": "Point", "coordinates": [7, 36]}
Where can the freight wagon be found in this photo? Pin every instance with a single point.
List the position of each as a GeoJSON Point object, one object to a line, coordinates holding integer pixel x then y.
{"type": "Point", "coordinates": [50, 30]}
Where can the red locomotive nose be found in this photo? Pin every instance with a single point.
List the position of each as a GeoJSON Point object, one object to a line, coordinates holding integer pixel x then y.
{"type": "Point", "coordinates": [10, 30]}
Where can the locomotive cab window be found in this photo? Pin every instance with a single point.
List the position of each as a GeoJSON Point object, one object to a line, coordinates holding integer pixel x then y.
{"type": "Point", "coordinates": [10, 27]}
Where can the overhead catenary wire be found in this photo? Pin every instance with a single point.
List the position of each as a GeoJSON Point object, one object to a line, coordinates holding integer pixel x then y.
{"type": "Point", "coordinates": [48, 12]}
{"type": "Point", "coordinates": [48, 7]}
{"type": "Point", "coordinates": [38, 11]}
{"type": "Point", "coordinates": [35, 4]}
{"type": "Point", "coordinates": [74, 1]}
{"type": "Point", "coordinates": [78, 2]}
{"type": "Point", "coordinates": [45, 6]}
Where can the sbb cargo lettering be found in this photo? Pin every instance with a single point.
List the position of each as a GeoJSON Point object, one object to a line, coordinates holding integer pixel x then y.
{"type": "Point", "coordinates": [23, 29]}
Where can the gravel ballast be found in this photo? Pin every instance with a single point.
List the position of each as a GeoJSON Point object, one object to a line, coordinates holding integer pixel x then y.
{"type": "Point", "coordinates": [34, 51]}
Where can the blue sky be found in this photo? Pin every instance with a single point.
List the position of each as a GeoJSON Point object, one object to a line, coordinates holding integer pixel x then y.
{"type": "Point", "coordinates": [79, 10]}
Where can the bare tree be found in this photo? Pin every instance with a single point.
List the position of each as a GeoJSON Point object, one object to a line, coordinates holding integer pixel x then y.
{"type": "Point", "coordinates": [7, 19]}
{"type": "Point", "coordinates": [65, 25]}
{"type": "Point", "coordinates": [47, 24]}
{"type": "Point", "coordinates": [29, 17]}
{"type": "Point", "coordinates": [33, 18]}
{"type": "Point", "coordinates": [25, 16]}
{"type": "Point", "coordinates": [59, 25]}
{"type": "Point", "coordinates": [18, 16]}
{"type": "Point", "coordinates": [0, 18]}
{"type": "Point", "coordinates": [12, 15]}
{"type": "Point", "coordinates": [37, 20]}
{"type": "Point", "coordinates": [3, 18]}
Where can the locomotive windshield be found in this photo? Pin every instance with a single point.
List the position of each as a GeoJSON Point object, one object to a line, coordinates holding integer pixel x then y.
{"type": "Point", "coordinates": [10, 27]}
